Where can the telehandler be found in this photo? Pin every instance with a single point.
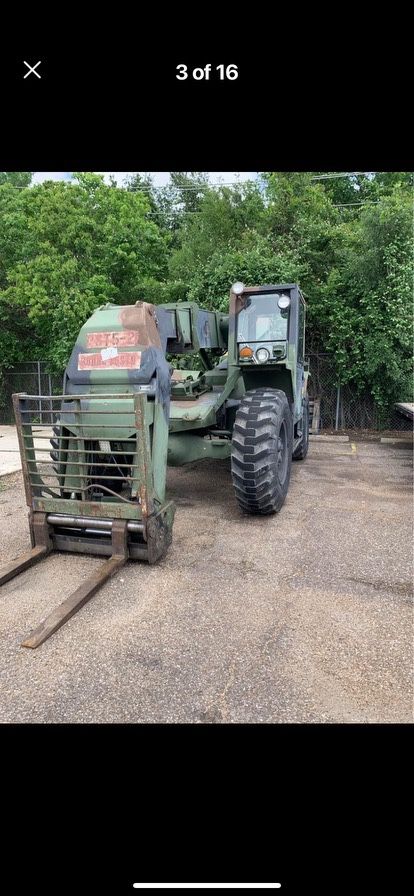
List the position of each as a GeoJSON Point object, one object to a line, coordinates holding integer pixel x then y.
{"type": "Point", "coordinates": [98, 486]}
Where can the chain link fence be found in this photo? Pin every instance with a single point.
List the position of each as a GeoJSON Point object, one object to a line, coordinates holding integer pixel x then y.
{"type": "Point", "coordinates": [31, 377]}
{"type": "Point", "coordinates": [340, 407]}
{"type": "Point", "coordinates": [343, 407]}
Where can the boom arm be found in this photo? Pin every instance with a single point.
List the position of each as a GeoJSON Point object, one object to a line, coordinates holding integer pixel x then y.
{"type": "Point", "coordinates": [191, 329]}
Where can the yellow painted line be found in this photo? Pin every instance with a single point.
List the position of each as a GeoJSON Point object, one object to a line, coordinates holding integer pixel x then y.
{"type": "Point", "coordinates": [353, 448]}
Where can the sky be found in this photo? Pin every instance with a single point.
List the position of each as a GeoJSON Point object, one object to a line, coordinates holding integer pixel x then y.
{"type": "Point", "coordinates": [160, 178]}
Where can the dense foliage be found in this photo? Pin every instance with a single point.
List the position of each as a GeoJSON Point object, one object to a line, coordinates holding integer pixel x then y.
{"type": "Point", "coordinates": [66, 248]}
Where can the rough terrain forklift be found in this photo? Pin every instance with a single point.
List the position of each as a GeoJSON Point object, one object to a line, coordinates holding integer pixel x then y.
{"type": "Point", "coordinates": [94, 459]}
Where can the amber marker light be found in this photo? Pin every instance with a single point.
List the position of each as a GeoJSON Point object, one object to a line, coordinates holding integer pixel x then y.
{"type": "Point", "coordinates": [246, 352]}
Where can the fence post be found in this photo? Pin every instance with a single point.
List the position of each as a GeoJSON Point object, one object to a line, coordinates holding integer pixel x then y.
{"type": "Point", "coordinates": [338, 399]}
{"type": "Point", "coordinates": [51, 402]}
{"type": "Point", "coordinates": [39, 382]}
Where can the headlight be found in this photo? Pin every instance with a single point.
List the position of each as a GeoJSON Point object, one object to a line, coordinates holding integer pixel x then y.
{"type": "Point", "coordinates": [237, 288]}
{"type": "Point", "coordinates": [283, 302]}
{"type": "Point", "coordinates": [246, 352]}
{"type": "Point", "coordinates": [262, 355]}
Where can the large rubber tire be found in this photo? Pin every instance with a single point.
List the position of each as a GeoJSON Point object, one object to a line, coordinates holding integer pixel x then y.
{"type": "Point", "coordinates": [261, 455]}
{"type": "Point", "coordinates": [301, 451]}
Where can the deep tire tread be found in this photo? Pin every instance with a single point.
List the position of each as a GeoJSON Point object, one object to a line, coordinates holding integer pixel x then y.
{"type": "Point", "coordinates": [254, 451]}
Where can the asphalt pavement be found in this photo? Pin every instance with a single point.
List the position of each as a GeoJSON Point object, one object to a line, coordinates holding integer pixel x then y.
{"type": "Point", "coordinates": [301, 617]}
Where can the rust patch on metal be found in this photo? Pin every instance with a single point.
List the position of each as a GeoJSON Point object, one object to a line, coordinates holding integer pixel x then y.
{"type": "Point", "coordinates": [41, 531]}
{"type": "Point", "coordinates": [86, 590]}
{"type": "Point", "coordinates": [23, 562]}
{"type": "Point", "coordinates": [120, 538]}
{"type": "Point", "coordinates": [178, 376]}
{"type": "Point", "coordinates": [127, 510]}
{"type": "Point", "coordinates": [72, 604]}
{"type": "Point", "coordinates": [142, 318]}
{"type": "Point", "coordinates": [159, 532]}
{"type": "Point", "coordinates": [203, 399]}
{"type": "Point", "coordinates": [143, 500]}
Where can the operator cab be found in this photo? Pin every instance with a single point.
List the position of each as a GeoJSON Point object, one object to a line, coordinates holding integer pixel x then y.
{"type": "Point", "coordinates": [262, 325]}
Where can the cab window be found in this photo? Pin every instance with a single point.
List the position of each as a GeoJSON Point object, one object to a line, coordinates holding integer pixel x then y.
{"type": "Point", "coordinates": [261, 320]}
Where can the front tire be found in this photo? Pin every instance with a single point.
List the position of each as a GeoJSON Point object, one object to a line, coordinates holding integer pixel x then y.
{"type": "Point", "coordinates": [262, 451]}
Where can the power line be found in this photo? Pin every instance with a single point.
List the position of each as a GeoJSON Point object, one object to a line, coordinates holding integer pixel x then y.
{"type": "Point", "coordinates": [199, 187]}
{"type": "Point", "coordinates": [195, 188]}
{"type": "Point", "coordinates": [207, 186]}
{"type": "Point", "coordinates": [194, 212]}
{"type": "Point", "coordinates": [366, 202]}
{"type": "Point", "coordinates": [183, 212]}
{"type": "Point", "coordinates": [348, 174]}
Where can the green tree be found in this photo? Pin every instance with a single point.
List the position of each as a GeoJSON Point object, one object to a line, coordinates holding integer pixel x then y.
{"type": "Point", "coordinates": [226, 217]}
{"type": "Point", "coordinates": [66, 249]}
{"type": "Point", "coordinates": [366, 304]}
{"type": "Point", "coordinates": [188, 189]}
{"type": "Point", "coordinates": [259, 264]}
{"type": "Point", "coordinates": [16, 178]}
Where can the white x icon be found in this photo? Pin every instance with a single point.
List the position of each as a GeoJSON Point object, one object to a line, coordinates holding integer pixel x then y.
{"type": "Point", "coordinates": [32, 69]}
